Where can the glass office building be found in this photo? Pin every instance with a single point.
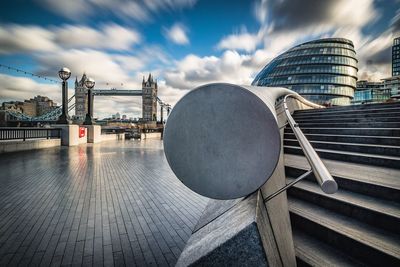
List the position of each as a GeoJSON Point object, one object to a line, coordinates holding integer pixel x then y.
{"type": "Point", "coordinates": [396, 57]}
{"type": "Point", "coordinates": [370, 92]}
{"type": "Point", "coordinates": [324, 71]}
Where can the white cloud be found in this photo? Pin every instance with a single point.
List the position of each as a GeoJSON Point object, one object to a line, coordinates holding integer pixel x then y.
{"type": "Point", "coordinates": [176, 34]}
{"type": "Point", "coordinates": [21, 88]}
{"type": "Point", "coordinates": [140, 10]}
{"type": "Point", "coordinates": [99, 65]}
{"type": "Point", "coordinates": [260, 10]}
{"type": "Point", "coordinates": [242, 41]}
{"type": "Point", "coordinates": [110, 36]}
{"type": "Point", "coordinates": [193, 71]}
{"type": "Point", "coordinates": [15, 38]}
{"type": "Point", "coordinates": [375, 56]}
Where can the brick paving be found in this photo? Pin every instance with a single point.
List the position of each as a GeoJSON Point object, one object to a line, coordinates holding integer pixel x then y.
{"type": "Point", "coordinates": [111, 204]}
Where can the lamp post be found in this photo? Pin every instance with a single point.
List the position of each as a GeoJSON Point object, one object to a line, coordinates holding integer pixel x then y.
{"type": "Point", "coordinates": [64, 74]}
{"type": "Point", "coordinates": [168, 109]}
{"type": "Point", "coordinates": [89, 83]}
{"type": "Point", "coordinates": [162, 112]}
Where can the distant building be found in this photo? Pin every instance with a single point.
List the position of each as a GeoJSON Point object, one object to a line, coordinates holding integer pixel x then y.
{"type": "Point", "coordinates": [396, 57]}
{"type": "Point", "coordinates": [118, 116]}
{"type": "Point", "coordinates": [81, 99]}
{"type": "Point", "coordinates": [33, 107]}
{"type": "Point", "coordinates": [11, 105]}
{"type": "Point", "coordinates": [149, 99]}
{"type": "Point", "coordinates": [324, 71]}
{"type": "Point", "coordinates": [43, 105]}
{"type": "Point", "coordinates": [124, 117]}
{"type": "Point", "coordinates": [370, 92]}
{"type": "Point", "coordinates": [392, 84]}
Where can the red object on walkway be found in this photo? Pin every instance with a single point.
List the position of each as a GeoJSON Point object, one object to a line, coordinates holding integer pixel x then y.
{"type": "Point", "coordinates": [81, 132]}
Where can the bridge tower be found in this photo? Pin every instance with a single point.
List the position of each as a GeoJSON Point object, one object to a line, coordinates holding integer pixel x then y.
{"type": "Point", "coordinates": [81, 99]}
{"type": "Point", "coordinates": [149, 99]}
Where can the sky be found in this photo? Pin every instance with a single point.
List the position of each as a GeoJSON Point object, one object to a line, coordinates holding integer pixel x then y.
{"type": "Point", "coordinates": [183, 43]}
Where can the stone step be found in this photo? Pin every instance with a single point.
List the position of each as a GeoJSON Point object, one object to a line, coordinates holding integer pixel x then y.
{"type": "Point", "coordinates": [377, 182]}
{"type": "Point", "coordinates": [362, 107]}
{"type": "Point", "coordinates": [378, 140]}
{"type": "Point", "coordinates": [371, 245]}
{"type": "Point", "coordinates": [341, 111]}
{"type": "Point", "coordinates": [388, 118]}
{"type": "Point", "coordinates": [312, 252]}
{"type": "Point", "coordinates": [395, 132]}
{"type": "Point", "coordinates": [320, 112]}
{"type": "Point", "coordinates": [352, 147]}
{"type": "Point", "coordinates": [371, 210]}
{"type": "Point", "coordinates": [298, 116]}
{"type": "Point", "coordinates": [363, 158]}
{"type": "Point", "coordinates": [339, 124]}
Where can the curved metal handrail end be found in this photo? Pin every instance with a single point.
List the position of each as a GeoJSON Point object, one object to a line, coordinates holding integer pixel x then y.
{"type": "Point", "coordinates": [321, 173]}
{"type": "Point", "coordinates": [329, 186]}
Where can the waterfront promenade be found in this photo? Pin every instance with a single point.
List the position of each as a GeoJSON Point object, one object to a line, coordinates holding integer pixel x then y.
{"type": "Point", "coordinates": [116, 203]}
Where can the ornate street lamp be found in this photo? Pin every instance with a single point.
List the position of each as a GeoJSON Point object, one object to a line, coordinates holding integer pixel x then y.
{"type": "Point", "coordinates": [89, 83]}
{"type": "Point", "coordinates": [64, 74]}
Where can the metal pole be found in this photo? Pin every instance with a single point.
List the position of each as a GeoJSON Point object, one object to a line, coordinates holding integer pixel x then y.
{"type": "Point", "coordinates": [64, 118]}
{"type": "Point", "coordinates": [161, 113]}
{"type": "Point", "coordinates": [91, 103]}
{"type": "Point", "coordinates": [89, 114]}
{"type": "Point", "coordinates": [301, 177]}
{"type": "Point", "coordinates": [65, 99]}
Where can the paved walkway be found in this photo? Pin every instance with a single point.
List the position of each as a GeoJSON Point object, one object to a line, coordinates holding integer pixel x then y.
{"type": "Point", "coordinates": [112, 204]}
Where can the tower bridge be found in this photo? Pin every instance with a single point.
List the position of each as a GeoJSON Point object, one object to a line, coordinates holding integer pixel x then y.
{"type": "Point", "coordinates": [80, 102]}
{"type": "Point", "coordinates": [148, 93]}
{"type": "Point", "coordinates": [117, 92]}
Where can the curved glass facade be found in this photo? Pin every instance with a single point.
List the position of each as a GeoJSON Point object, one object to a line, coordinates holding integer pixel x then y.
{"type": "Point", "coordinates": [323, 71]}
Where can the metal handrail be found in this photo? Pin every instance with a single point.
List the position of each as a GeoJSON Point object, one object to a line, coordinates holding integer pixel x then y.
{"type": "Point", "coordinates": [321, 173]}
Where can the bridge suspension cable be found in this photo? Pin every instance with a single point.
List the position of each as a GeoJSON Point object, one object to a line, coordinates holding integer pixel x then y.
{"type": "Point", "coordinates": [27, 73]}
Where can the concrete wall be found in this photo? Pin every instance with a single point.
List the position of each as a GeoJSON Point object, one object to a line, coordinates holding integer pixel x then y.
{"type": "Point", "coordinates": [70, 134]}
{"type": "Point", "coordinates": [110, 137]}
{"type": "Point", "coordinates": [13, 146]}
{"type": "Point", "coordinates": [150, 135]}
{"type": "Point", "coordinates": [93, 133]}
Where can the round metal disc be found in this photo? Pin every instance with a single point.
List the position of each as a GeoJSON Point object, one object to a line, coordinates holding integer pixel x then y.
{"type": "Point", "coordinates": [222, 141]}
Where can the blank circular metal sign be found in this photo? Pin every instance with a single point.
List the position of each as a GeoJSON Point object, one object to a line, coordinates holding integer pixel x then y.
{"type": "Point", "coordinates": [222, 141]}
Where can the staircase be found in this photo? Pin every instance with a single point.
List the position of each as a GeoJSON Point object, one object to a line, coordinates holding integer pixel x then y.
{"type": "Point", "coordinates": [360, 224]}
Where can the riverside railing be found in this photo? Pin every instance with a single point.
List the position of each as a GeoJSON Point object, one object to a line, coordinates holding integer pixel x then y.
{"type": "Point", "coordinates": [112, 130]}
{"type": "Point", "coordinates": [25, 133]}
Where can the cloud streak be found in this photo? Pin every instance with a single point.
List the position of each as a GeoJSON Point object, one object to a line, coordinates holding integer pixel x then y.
{"type": "Point", "coordinates": [139, 10]}
{"type": "Point", "coordinates": [21, 39]}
